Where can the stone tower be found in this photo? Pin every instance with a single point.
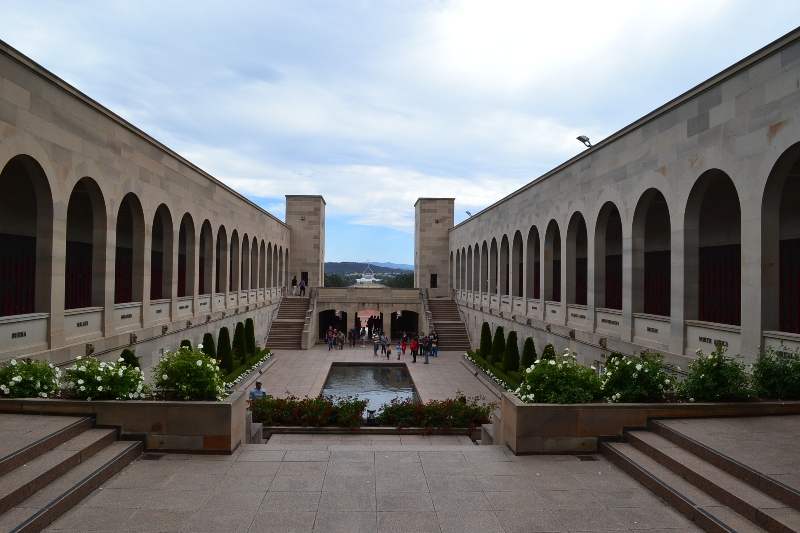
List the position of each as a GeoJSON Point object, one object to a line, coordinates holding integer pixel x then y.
{"type": "Point", "coordinates": [433, 219]}
{"type": "Point", "coordinates": [306, 216]}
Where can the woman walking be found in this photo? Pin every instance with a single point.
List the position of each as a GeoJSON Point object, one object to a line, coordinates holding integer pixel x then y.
{"type": "Point", "coordinates": [403, 341]}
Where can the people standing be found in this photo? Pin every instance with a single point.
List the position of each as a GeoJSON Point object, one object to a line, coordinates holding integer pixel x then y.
{"type": "Point", "coordinates": [376, 341]}
{"type": "Point", "coordinates": [340, 340]}
{"type": "Point", "coordinates": [404, 341]}
{"type": "Point", "coordinates": [398, 351]}
{"type": "Point", "coordinates": [414, 348]}
{"type": "Point", "coordinates": [258, 392]}
{"type": "Point", "coordinates": [302, 287]}
{"type": "Point", "coordinates": [424, 344]}
{"type": "Point", "coordinates": [384, 340]}
{"type": "Point", "coordinates": [434, 337]}
{"type": "Point", "coordinates": [329, 337]}
{"type": "Point", "coordinates": [294, 285]}
{"type": "Point", "coordinates": [363, 336]}
{"type": "Point", "coordinates": [351, 335]}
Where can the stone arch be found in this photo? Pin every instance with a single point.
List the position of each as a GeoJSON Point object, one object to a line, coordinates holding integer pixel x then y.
{"type": "Point", "coordinates": [577, 260]}
{"type": "Point", "coordinates": [505, 266]}
{"type": "Point", "coordinates": [221, 260]}
{"type": "Point", "coordinates": [533, 265]}
{"type": "Point", "coordinates": [476, 268]}
{"type": "Point", "coordinates": [129, 256]}
{"type": "Point", "coordinates": [254, 264]}
{"type": "Point", "coordinates": [270, 269]}
{"type": "Point", "coordinates": [454, 268]}
{"type": "Point", "coordinates": [281, 281]}
{"type": "Point", "coordinates": [552, 263]}
{"type": "Point", "coordinates": [161, 254]}
{"type": "Point", "coordinates": [244, 278]}
{"type": "Point", "coordinates": [608, 277]}
{"type": "Point", "coordinates": [235, 259]}
{"type": "Point", "coordinates": [652, 256]}
{"type": "Point", "coordinates": [206, 263]}
{"type": "Point", "coordinates": [26, 237]}
{"type": "Point", "coordinates": [712, 250]}
{"type": "Point", "coordinates": [186, 257]}
{"type": "Point", "coordinates": [518, 283]}
{"type": "Point", "coordinates": [469, 268]}
{"type": "Point", "coordinates": [493, 267]}
{"type": "Point", "coordinates": [262, 266]}
{"type": "Point", "coordinates": [462, 274]}
{"type": "Point", "coordinates": [485, 268]}
{"type": "Point", "coordinates": [780, 245]}
{"type": "Point", "coordinates": [84, 282]}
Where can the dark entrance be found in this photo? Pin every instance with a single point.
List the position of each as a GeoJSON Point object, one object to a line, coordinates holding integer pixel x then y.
{"type": "Point", "coordinates": [407, 321]}
{"type": "Point", "coordinates": [329, 318]}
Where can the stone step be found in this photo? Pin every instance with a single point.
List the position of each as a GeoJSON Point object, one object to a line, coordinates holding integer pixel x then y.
{"type": "Point", "coordinates": [762, 482]}
{"type": "Point", "coordinates": [708, 513]}
{"type": "Point", "coordinates": [37, 444]}
{"type": "Point", "coordinates": [756, 506]}
{"type": "Point", "coordinates": [31, 477]}
{"type": "Point", "coordinates": [43, 507]}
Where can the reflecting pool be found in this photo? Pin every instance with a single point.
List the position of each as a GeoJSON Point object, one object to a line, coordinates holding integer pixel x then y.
{"type": "Point", "coordinates": [378, 384]}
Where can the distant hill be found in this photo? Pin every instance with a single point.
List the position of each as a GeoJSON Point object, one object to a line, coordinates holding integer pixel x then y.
{"type": "Point", "coordinates": [349, 267]}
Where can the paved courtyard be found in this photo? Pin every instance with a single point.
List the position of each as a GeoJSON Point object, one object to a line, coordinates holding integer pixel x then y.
{"type": "Point", "coordinates": [380, 488]}
{"type": "Point", "coordinates": [303, 372]}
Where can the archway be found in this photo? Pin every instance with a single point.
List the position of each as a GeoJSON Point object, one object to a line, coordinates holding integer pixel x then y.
{"type": "Point", "coordinates": [505, 266]}
{"type": "Point", "coordinates": [469, 274]}
{"type": "Point", "coordinates": [26, 222]}
{"type": "Point", "coordinates": [254, 254]}
{"type": "Point", "coordinates": [403, 320]}
{"type": "Point", "coordinates": [206, 258]}
{"type": "Point", "coordinates": [270, 269]}
{"type": "Point", "coordinates": [780, 244]}
{"type": "Point", "coordinates": [493, 257]}
{"type": "Point", "coordinates": [713, 250]}
{"type": "Point", "coordinates": [454, 268]}
{"type": "Point", "coordinates": [519, 271]}
{"type": "Point", "coordinates": [85, 250]}
{"type": "Point", "coordinates": [652, 255]}
{"type": "Point", "coordinates": [186, 256]}
{"type": "Point", "coordinates": [533, 265]}
{"type": "Point", "coordinates": [552, 262]}
{"type": "Point", "coordinates": [484, 286]}
{"type": "Point", "coordinates": [476, 269]}
{"type": "Point", "coordinates": [233, 278]}
{"type": "Point", "coordinates": [129, 259]}
{"type": "Point", "coordinates": [262, 267]}
{"type": "Point", "coordinates": [577, 260]}
{"type": "Point", "coordinates": [221, 259]}
{"type": "Point", "coordinates": [331, 318]}
{"type": "Point", "coordinates": [371, 319]}
{"type": "Point", "coordinates": [161, 255]}
{"type": "Point", "coordinates": [280, 267]}
{"type": "Point", "coordinates": [244, 278]}
{"type": "Point", "coordinates": [608, 258]}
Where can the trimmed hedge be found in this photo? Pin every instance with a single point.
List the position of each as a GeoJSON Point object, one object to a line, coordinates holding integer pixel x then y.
{"type": "Point", "coordinates": [224, 351]}
{"type": "Point", "coordinates": [485, 365]}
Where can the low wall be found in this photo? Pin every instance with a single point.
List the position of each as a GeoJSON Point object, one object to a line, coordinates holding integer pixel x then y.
{"type": "Point", "coordinates": [574, 428]}
{"type": "Point", "coordinates": [186, 427]}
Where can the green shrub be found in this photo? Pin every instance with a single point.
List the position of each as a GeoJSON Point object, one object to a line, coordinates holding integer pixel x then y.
{"type": "Point", "coordinates": [528, 354]}
{"type": "Point", "coordinates": [498, 346]}
{"type": "Point", "coordinates": [777, 375]}
{"type": "Point", "coordinates": [250, 336]}
{"type": "Point", "coordinates": [558, 380]}
{"type": "Point", "coordinates": [486, 341]}
{"type": "Point", "coordinates": [507, 381]}
{"type": "Point", "coordinates": [129, 358]}
{"type": "Point", "coordinates": [549, 353]}
{"type": "Point", "coordinates": [224, 351]}
{"type": "Point", "coordinates": [239, 345]}
{"type": "Point", "coordinates": [628, 380]}
{"type": "Point", "coordinates": [186, 343]}
{"type": "Point", "coordinates": [92, 379]}
{"type": "Point", "coordinates": [309, 412]}
{"type": "Point", "coordinates": [29, 379]}
{"type": "Point", "coordinates": [458, 412]}
{"type": "Point", "coordinates": [511, 354]}
{"type": "Point", "coordinates": [208, 346]}
{"type": "Point", "coordinates": [189, 374]}
{"type": "Point", "coordinates": [716, 378]}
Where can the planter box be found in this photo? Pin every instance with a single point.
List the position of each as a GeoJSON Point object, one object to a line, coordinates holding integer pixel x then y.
{"type": "Point", "coordinates": [186, 427]}
{"type": "Point", "coordinates": [574, 428]}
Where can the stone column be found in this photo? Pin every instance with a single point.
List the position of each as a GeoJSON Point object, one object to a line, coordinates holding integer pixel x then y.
{"type": "Point", "coordinates": [751, 291]}
{"type": "Point", "coordinates": [683, 298]}
{"type": "Point", "coordinates": [147, 247]}
{"type": "Point", "coordinates": [109, 273]}
{"type": "Point", "coordinates": [626, 328]}
{"type": "Point", "coordinates": [51, 251]}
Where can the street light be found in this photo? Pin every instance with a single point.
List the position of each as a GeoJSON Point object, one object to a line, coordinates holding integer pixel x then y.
{"type": "Point", "coordinates": [585, 140]}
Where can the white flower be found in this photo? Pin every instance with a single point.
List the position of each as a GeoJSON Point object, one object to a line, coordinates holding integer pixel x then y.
{"type": "Point", "coordinates": [199, 362]}
{"type": "Point", "coordinates": [43, 394]}
{"type": "Point", "coordinates": [199, 346]}
{"type": "Point", "coordinates": [82, 388]}
{"type": "Point", "coordinates": [120, 360]}
{"type": "Point", "coordinates": [552, 362]}
{"type": "Point", "coordinates": [559, 366]}
{"type": "Point", "coordinates": [13, 362]}
{"type": "Point", "coordinates": [165, 377]}
{"type": "Point", "coordinates": [666, 381]}
{"type": "Point", "coordinates": [89, 399]}
{"type": "Point", "coordinates": [638, 367]}
{"type": "Point", "coordinates": [528, 370]}
{"type": "Point", "coordinates": [566, 350]}
{"type": "Point", "coordinates": [99, 378]}
{"type": "Point", "coordinates": [592, 367]}
{"type": "Point", "coordinates": [82, 369]}
{"type": "Point", "coordinates": [80, 357]}
{"type": "Point", "coordinates": [17, 378]}
{"type": "Point", "coordinates": [80, 382]}
{"type": "Point", "coordinates": [99, 387]}
{"type": "Point", "coordinates": [645, 370]}
{"type": "Point", "coordinates": [691, 399]}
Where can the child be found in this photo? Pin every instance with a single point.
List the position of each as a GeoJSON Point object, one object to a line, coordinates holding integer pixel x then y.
{"type": "Point", "coordinates": [398, 348]}
{"type": "Point", "coordinates": [388, 353]}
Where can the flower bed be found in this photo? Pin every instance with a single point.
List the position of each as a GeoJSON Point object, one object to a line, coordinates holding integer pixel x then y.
{"type": "Point", "coordinates": [481, 363]}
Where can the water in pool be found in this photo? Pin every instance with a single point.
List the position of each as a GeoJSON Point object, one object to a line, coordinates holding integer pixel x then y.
{"type": "Point", "coordinates": [378, 384]}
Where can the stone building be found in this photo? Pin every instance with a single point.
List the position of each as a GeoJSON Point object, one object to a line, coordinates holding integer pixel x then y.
{"type": "Point", "coordinates": [109, 239]}
{"type": "Point", "coordinates": [679, 230]}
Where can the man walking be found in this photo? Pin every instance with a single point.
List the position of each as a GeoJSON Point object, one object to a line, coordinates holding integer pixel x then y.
{"type": "Point", "coordinates": [376, 340]}
{"type": "Point", "coordinates": [329, 335]}
{"type": "Point", "coordinates": [294, 286]}
{"type": "Point", "coordinates": [302, 287]}
{"type": "Point", "coordinates": [384, 340]}
{"type": "Point", "coordinates": [258, 392]}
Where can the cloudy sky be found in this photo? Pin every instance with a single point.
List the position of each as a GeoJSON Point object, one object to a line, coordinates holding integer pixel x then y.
{"type": "Point", "coordinates": [374, 104]}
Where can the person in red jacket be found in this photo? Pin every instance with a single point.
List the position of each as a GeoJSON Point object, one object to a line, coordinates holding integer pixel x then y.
{"type": "Point", "coordinates": [414, 349]}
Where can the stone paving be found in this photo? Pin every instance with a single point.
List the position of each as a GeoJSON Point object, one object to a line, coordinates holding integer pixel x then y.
{"type": "Point", "coordinates": [381, 488]}
{"type": "Point", "coordinates": [303, 372]}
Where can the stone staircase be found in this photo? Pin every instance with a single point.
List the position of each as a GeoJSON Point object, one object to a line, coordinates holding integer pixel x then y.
{"type": "Point", "coordinates": [50, 463]}
{"type": "Point", "coordinates": [448, 324]}
{"type": "Point", "coordinates": [717, 492]}
{"type": "Point", "coordinates": [287, 328]}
